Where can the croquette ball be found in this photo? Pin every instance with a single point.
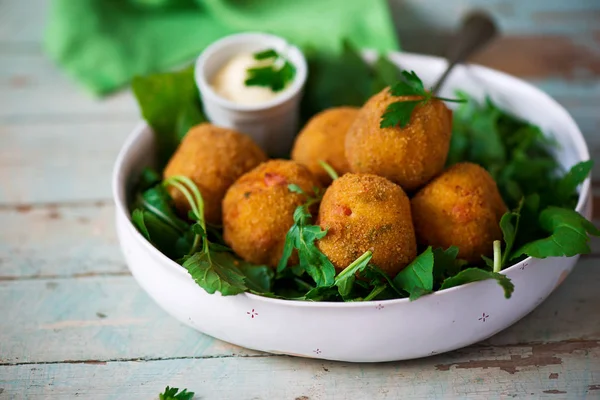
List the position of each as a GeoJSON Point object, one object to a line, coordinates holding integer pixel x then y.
{"type": "Point", "coordinates": [408, 156]}
{"type": "Point", "coordinates": [258, 209]}
{"type": "Point", "coordinates": [367, 212]}
{"type": "Point", "coordinates": [324, 138]}
{"type": "Point", "coordinates": [462, 207]}
{"type": "Point", "coordinates": [213, 158]}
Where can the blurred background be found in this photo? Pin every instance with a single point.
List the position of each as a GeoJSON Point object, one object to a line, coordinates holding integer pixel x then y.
{"type": "Point", "coordinates": [553, 44]}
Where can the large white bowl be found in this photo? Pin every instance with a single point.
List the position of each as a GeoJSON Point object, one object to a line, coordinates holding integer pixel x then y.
{"type": "Point", "coordinates": [370, 331]}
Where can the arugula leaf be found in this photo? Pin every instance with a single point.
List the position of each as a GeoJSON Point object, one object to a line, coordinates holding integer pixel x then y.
{"type": "Point", "coordinates": [322, 293]}
{"type": "Point", "coordinates": [216, 271]}
{"type": "Point", "coordinates": [445, 263]}
{"type": "Point", "coordinates": [174, 394]}
{"type": "Point", "coordinates": [258, 278]}
{"type": "Point", "coordinates": [509, 224]}
{"type": "Point", "coordinates": [565, 193]}
{"type": "Point", "coordinates": [275, 75]}
{"type": "Point", "coordinates": [477, 274]}
{"type": "Point", "coordinates": [168, 240]}
{"type": "Point", "coordinates": [170, 103]}
{"type": "Point", "coordinates": [377, 277]}
{"type": "Point", "coordinates": [417, 277]}
{"type": "Point", "coordinates": [385, 73]}
{"type": "Point", "coordinates": [345, 279]}
{"type": "Point", "coordinates": [568, 235]}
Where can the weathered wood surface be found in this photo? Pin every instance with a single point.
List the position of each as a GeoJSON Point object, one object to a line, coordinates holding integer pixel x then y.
{"type": "Point", "coordinates": [566, 370]}
{"type": "Point", "coordinates": [73, 322]}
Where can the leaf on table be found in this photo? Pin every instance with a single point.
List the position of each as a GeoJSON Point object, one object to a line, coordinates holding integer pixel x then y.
{"type": "Point", "coordinates": [568, 235]}
{"type": "Point", "coordinates": [477, 274]}
{"type": "Point", "coordinates": [175, 394]}
{"type": "Point", "coordinates": [417, 277]}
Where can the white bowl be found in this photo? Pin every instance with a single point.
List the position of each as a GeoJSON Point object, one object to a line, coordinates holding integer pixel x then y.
{"type": "Point", "coordinates": [370, 331]}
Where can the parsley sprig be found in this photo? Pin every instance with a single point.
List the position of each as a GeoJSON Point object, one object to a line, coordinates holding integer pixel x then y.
{"type": "Point", "coordinates": [174, 394]}
{"type": "Point", "coordinates": [275, 75]}
{"type": "Point", "coordinates": [399, 112]}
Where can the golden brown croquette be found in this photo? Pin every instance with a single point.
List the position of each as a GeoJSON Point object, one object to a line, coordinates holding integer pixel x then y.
{"type": "Point", "coordinates": [408, 156]}
{"type": "Point", "coordinates": [461, 207]}
{"type": "Point", "coordinates": [367, 212]}
{"type": "Point", "coordinates": [213, 158]}
{"type": "Point", "coordinates": [258, 209]}
{"type": "Point", "coordinates": [324, 138]}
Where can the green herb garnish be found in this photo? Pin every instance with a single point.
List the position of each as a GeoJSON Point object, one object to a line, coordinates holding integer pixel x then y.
{"type": "Point", "coordinates": [174, 394]}
{"type": "Point", "coordinates": [275, 75]}
{"type": "Point", "coordinates": [399, 112]}
{"type": "Point", "coordinates": [301, 237]}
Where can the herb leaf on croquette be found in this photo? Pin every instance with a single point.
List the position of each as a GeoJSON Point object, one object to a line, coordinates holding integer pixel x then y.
{"type": "Point", "coordinates": [399, 112]}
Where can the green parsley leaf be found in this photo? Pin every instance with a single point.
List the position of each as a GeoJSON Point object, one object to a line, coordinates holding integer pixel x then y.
{"type": "Point", "coordinates": [417, 277]}
{"type": "Point", "coordinates": [409, 85]}
{"type": "Point", "coordinates": [302, 237]}
{"type": "Point", "coordinates": [174, 394]}
{"type": "Point", "coordinates": [477, 274]}
{"type": "Point", "coordinates": [568, 235]}
{"type": "Point", "coordinates": [170, 103]}
{"type": "Point", "coordinates": [275, 76]}
{"type": "Point", "coordinates": [399, 113]}
{"type": "Point", "coordinates": [266, 54]}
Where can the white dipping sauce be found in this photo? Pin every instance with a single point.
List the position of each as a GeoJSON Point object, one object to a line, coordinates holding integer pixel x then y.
{"type": "Point", "coordinates": [229, 81]}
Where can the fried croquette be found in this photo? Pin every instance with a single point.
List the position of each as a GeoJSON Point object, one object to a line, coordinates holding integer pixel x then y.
{"type": "Point", "coordinates": [408, 156]}
{"type": "Point", "coordinates": [461, 207]}
{"type": "Point", "coordinates": [258, 209]}
{"type": "Point", "coordinates": [324, 138]}
{"type": "Point", "coordinates": [213, 158]}
{"type": "Point", "coordinates": [367, 212]}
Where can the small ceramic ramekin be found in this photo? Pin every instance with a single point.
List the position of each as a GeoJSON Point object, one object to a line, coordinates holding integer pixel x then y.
{"type": "Point", "coordinates": [272, 124]}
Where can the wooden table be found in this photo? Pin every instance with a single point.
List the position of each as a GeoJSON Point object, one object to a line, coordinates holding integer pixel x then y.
{"type": "Point", "coordinates": [73, 322]}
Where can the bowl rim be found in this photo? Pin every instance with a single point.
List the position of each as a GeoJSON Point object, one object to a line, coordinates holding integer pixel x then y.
{"type": "Point", "coordinates": [121, 208]}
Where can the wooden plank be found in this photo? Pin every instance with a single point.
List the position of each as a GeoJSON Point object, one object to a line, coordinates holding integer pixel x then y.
{"type": "Point", "coordinates": [540, 371]}
{"type": "Point", "coordinates": [41, 163]}
{"type": "Point", "coordinates": [110, 318]}
{"type": "Point", "coordinates": [100, 318]}
{"type": "Point", "coordinates": [21, 24]}
{"type": "Point", "coordinates": [59, 241]}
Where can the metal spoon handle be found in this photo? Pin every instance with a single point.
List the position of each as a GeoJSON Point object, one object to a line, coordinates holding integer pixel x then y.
{"type": "Point", "coordinates": [477, 30]}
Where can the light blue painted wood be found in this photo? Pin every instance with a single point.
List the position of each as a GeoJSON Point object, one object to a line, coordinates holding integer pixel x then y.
{"type": "Point", "coordinates": [472, 374]}
{"type": "Point", "coordinates": [97, 318]}
{"type": "Point", "coordinates": [59, 241]}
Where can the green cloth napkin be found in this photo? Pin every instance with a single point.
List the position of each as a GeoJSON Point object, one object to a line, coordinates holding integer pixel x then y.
{"type": "Point", "coordinates": [102, 44]}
